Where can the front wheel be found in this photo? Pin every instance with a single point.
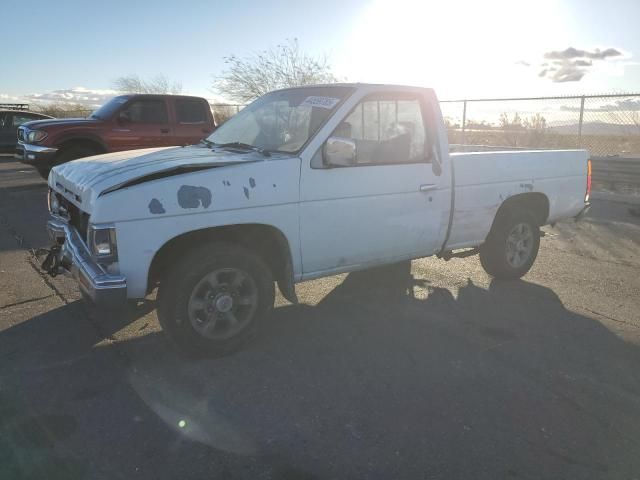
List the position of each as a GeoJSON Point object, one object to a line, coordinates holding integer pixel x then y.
{"type": "Point", "coordinates": [66, 155]}
{"type": "Point", "coordinates": [212, 300]}
{"type": "Point", "coordinates": [511, 247]}
{"type": "Point", "coordinates": [74, 152]}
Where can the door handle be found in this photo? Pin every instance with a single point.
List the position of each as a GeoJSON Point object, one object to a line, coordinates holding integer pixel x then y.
{"type": "Point", "coordinates": [427, 187]}
{"type": "Point", "coordinates": [164, 130]}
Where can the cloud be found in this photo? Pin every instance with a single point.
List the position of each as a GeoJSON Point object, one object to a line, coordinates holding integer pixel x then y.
{"type": "Point", "coordinates": [565, 70]}
{"type": "Point", "coordinates": [571, 53]}
{"type": "Point", "coordinates": [6, 98]}
{"type": "Point", "coordinates": [566, 73]}
{"type": "Point", "coordinates": [87, 97]}
{"type": "Point", "coordinates": [572, 64]}
{"type": "Point", "coordinates": [630, 104]}
{"type": "Point", "coordinates": [90, 98]}
{"type": "Point", "coordinates": [81, 95]}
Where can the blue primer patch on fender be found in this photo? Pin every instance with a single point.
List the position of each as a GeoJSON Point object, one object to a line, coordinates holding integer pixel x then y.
{"type": "Point", "coordinates": [192, 197]}
{"type": "Point", "coordinates": [155, 206]}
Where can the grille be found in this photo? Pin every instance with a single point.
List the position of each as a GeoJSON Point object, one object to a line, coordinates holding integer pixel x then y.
{"type": "Point", "coordinates": [77, 218]}
{"type": "Point", "coordinates": [21, 134]}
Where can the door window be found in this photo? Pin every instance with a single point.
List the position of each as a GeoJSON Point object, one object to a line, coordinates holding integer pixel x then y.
{"type": "Point", "coordinates": [190, 111]}
{"type": "Point", "coordinates": [386, 130]}
{"type": "Point", "coordinates": [145, 111]}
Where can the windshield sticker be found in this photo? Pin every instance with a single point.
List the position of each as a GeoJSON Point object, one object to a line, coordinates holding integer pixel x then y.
{"type": "Point", "coordinates": [322, 102]}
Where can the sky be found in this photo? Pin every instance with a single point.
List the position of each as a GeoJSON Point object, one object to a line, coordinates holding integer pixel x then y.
{"type": "Point", "coordinates": [74, 50]}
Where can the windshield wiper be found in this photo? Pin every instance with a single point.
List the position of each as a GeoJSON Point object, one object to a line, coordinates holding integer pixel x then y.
{"type": "Point", "coordinates": [208, 143]}
{"type": "Point", "coordinates": [246, 146]}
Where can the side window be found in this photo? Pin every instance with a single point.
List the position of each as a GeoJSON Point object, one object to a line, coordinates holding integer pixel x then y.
{"type": "Point", "coordinates": [190, 111]}
{"type": "Point", "coordinates": [146, 111]}
{"type": "Point", "coordinates": [19, 119]}
{"type": "Point", "coordinates": [386, 130]}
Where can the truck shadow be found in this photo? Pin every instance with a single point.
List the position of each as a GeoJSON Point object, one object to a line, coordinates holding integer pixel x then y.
{"type": "Point", "coordinates": [385, 375]}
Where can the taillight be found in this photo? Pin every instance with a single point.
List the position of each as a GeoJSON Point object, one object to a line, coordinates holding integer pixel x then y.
{"type": "Point", "coordinates": [586, 197]}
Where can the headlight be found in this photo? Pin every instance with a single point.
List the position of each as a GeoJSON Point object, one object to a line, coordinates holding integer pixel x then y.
{"type": "Point", "coordinates": [52, 202]}
{"type": "Point", "coordinates": [36, 136]}
{"type": "Point", "coordinates": [102, 242]}
{"type": "Point", "coordinates": [56, 207]}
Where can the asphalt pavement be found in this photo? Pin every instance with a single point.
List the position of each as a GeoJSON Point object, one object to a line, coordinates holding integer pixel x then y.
{"type": "Point", "coordinates": [436, 372]}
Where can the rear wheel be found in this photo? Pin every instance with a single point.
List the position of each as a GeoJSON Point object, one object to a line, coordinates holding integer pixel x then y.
{"type": "Point", "coordinates": [211, 301]}
{"type": "Point", "coordinates": [512, 246]}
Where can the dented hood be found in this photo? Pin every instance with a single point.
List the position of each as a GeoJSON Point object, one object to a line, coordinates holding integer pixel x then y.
{"type": "Point", "coordinates": [83, 180]}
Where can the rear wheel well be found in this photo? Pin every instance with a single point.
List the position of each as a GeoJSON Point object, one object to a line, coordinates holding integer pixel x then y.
{"type": "Point", "coordinates": [534, 203]}
{"type": "Point", "coordinates": [266, 241]}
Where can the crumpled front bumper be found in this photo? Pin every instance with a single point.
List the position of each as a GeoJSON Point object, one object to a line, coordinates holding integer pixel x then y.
{"type": "Point", "coordinates": [103, 288]}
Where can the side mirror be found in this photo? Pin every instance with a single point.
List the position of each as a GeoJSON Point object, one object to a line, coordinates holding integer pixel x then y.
{"type": "Point", "coordinates": [436, 167]}
{"type": "Point", "coordinates": [339, 152]}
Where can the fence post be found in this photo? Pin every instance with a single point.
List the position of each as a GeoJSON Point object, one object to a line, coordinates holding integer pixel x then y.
{"type": "Point", "coordinates": [464, 120]}
{"type": "Point", "coordinates": [580, 122]}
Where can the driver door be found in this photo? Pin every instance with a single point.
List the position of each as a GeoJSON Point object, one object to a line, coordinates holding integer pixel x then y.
{"type": "Point", "coordinates": [142, 123]}
{"type": "Point", "coordinates": [389, 205]}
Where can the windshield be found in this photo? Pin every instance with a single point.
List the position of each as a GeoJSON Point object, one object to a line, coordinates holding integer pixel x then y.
{"type": "Point", "coordinates": [106, 110]}
{"type": "Point", "coordinates": [282, 121]}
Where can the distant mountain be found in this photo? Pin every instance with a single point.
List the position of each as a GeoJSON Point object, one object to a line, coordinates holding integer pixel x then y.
{"type": "Point", "coordinates": [597, 128]}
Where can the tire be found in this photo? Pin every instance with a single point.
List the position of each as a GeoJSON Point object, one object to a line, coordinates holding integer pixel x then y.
{"type": "Point", "coordinates": [199, 306]}
{"type": "Point", "coordinates": [65, 156]}
{"type": "Point", "coordinates": [74, 152]}
{"type": "Point", "coordinates": [512, 245]}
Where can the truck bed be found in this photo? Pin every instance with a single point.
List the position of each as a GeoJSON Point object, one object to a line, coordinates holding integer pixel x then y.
{"type": "Point", "coordinates": [483, 180]}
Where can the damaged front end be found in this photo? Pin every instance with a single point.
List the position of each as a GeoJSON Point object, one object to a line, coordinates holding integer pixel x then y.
{"type": "Point", "coordinates": [52, 264]}
{"type": "Point", "coordinates": [88, 256]}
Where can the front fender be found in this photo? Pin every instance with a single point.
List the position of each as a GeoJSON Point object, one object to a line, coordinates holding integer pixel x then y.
{"type": "Point", "coordinates": [149, 215]}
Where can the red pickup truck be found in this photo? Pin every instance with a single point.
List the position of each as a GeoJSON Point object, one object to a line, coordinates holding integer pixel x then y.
{"type": "Point", "coordinates": [126, 122]}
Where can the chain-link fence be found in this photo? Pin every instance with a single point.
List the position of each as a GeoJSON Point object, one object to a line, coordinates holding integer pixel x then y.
{"type": "Point", "coordinates": [605, 125]}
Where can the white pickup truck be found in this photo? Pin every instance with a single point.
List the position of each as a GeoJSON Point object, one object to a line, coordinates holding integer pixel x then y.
{"type": "Point", "coordinates": [303, 183]}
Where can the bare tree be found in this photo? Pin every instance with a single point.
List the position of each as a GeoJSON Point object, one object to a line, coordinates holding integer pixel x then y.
{"type": "Point", "coordinates": [158, 84]}
{"type": "Point", "coordinates": [511, 128]}
{"type": "Point", "coordinates": [524, 132]}
{"type": "Point", "coordinates": [62, 109]}
{"type": "Point", "coordinates": [536, 126]}
{"type": "Point", "coordinates": [223, 112]}
{"type": "Point", "coordinates": [281, 66]}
